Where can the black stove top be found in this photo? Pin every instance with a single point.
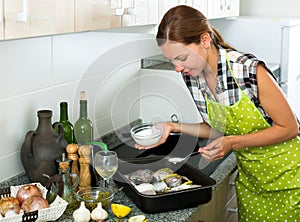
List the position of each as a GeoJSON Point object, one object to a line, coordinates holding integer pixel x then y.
{"type": "Point", "coordinates": [176, 146]}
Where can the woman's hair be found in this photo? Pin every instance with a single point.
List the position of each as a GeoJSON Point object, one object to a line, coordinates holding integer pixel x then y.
{"type": "Point", "coordinates": [185, 25]}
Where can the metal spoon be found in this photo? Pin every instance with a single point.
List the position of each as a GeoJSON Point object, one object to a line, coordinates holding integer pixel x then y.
{"type": "Point", "coordinates": [175, 160]}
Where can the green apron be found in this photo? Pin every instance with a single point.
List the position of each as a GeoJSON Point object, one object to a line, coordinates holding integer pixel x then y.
{"type": "Point", "coordinates": [268, 182]}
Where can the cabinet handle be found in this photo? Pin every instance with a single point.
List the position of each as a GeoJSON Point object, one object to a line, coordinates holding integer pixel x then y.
{"type": "Point", "coordinates": [1, 11]}
{"type": "Point", "coordinates": [232, 210]}
{"type": "Point", "coordinates": [22, 16]}
{"type": "Point", "coordinates": [222, 4]}
{"type": "Point", "coordinates": [228, 3]}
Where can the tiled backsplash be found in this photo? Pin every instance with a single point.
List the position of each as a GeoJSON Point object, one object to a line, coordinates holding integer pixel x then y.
{"type": "Point", "coordinates": [38, 73]}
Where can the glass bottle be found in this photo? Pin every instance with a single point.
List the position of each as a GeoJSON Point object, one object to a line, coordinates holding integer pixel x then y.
{"type": "Point", "coordinates": [67, 125]}
{"type": "Point", "coordinates": [66, 190]}
{"type": "Point", "coordinates": [83, 127]}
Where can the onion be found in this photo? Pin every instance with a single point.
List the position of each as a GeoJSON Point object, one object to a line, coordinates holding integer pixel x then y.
{"type": "Point", "coordinates": [27, 191]}
{"type": "Point", "coordinates": [9, 204]}
{"type": "Point", "coordinates": [34, 203]}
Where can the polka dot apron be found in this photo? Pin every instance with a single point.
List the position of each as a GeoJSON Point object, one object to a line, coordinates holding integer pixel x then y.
{"type": "Point", "coordinates": [268, 182]}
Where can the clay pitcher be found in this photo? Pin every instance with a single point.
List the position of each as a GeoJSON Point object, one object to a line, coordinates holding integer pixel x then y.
{"type": "Point", "coordinates": [42, 147]}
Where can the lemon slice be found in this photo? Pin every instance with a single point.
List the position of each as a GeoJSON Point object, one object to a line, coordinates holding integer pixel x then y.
{"type": "Point", "coordinates": [138, 218]}
{"type": "Point", "coordinates": [120, 210]}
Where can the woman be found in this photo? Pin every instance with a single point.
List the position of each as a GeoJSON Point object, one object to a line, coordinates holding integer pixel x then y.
{"type": "Point", "coordinates": [243, 108]}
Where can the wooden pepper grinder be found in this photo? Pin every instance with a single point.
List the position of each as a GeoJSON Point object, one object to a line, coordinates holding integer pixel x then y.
{"type": "Point", "coordinates": [84, 163]}
{"type": "Point", "coordinates": [72, 150]}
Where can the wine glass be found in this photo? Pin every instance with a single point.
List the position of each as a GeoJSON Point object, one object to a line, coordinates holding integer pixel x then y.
{"type": "Point", "coordinates": [106, 164]}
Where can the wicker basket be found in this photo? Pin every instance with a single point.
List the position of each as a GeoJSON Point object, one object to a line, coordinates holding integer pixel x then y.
{"type": "Point", "coordinates": [55, 210]}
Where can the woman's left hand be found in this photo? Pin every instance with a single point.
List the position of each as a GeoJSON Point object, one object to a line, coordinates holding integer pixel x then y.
{"type": "Point", "coordinates": [217, 149]}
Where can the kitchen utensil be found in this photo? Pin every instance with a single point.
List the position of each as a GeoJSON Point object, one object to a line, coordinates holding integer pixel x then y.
{"type": "Point", "coordinates": [165, 201]}
{"type": "Point", "coordinates": [204, 162]}
{"type": "Point", "coordinates": [175, 160]}
{"type": "Point", "coordinates": [146, 134]}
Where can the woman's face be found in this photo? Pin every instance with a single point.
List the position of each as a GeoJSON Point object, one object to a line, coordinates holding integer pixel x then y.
{"type": "Point", "coordinates": [188, 59]}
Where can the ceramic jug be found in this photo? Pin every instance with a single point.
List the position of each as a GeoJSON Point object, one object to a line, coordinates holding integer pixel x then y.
{"type": "Point", "coordinates": [42, 147]}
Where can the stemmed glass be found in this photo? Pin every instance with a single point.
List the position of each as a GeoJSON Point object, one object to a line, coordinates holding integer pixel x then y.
{"type": "Point", "coordinates": [106, 164]}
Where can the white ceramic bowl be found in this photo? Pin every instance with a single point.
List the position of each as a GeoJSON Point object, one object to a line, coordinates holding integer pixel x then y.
{"type": "Point", "coordinates": [146, 134]}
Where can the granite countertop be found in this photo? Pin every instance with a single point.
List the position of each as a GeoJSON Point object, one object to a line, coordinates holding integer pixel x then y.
{"type": "Point", "coordinates": [220, 173]}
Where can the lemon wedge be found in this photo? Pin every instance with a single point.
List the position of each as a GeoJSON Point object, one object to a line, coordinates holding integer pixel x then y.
{"type": "Point", "coordinates": [138, 218]}
{"type": "Point", "coordinates": [120, 210]}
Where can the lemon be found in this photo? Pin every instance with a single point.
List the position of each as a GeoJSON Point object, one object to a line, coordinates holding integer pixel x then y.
{"type": "Point", "coordinates": [120, 210]}
{"type": "Point", "coordinates": [138, 218]}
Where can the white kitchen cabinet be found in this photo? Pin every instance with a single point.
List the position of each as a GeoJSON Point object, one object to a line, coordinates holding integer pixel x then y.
{"type": "Point", "coordinates": [104, 14]}
{"type": "Point", "coordinates": [1, 21]}
{"type": "Point", "coordinates": [93, 14]}
{"type": "Point", "coordinates": [201, 5]}
{"type": "Point", "coordinates": [164, 6]}
{"type": "Point", "coordinates": [222, 8]}
{"type": "Point", "coordinates": [28, 18]}
{"type": "Point", "coordinates": [139, 12]}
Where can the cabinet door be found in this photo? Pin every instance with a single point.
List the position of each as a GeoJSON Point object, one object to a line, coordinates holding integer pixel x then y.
{"type": "Point", "coordinates": [139, 12]}
{"type": "Point", "coordinates": [201, 5]}
{"type": "Point", "coordinates": [165, 5]}
{"type": "Point", "coordinates": [223, 8]}
{"type": "Point", "coordinates": [27, 18]}
{"type": "Point", "coordinates": [92, 14]}
{"type": "Point", "coordinates": [1, 21]}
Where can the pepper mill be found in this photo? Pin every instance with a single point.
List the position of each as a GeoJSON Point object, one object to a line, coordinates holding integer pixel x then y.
{"type": "Point", "coordinates": [72, 150]}
{"type": "Point", "coordinates": [84, 163]}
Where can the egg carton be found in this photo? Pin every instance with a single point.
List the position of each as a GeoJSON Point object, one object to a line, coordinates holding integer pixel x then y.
{"type": "Point", "coordinates": [52, 213]}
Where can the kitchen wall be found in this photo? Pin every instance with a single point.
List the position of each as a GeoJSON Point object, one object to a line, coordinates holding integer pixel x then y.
{"type": "Point", "coordinates": [38, 73]}
{"type": "Point", "coordinates": [274, 8]}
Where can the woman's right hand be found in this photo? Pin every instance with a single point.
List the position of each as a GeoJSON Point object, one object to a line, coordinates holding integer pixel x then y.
{"type": "Point", "coordinates": [166, 128]}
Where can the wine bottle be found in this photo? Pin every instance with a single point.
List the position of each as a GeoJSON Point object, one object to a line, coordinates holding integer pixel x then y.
{"type": "Point", "coordinates": [83, 127]}
{"type": "Point", "coordinates": [67, 125]}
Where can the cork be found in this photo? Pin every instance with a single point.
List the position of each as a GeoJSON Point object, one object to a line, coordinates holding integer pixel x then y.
{"type": "Point", "coordinates": [82, 95]}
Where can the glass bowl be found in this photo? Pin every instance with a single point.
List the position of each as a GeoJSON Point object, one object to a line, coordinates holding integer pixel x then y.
{"type": "Point", "coordinates": [146, 134]}
{"type": "Point", "coordinates": [93, 195]}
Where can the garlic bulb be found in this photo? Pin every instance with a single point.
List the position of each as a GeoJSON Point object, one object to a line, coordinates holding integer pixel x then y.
{"type": "Point", "coordinates": [99, 213]}
{"type": "Point", "coordinates": [82, 214]}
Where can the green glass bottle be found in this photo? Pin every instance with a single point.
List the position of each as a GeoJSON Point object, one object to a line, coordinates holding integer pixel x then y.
{"type": "Point", "coordinates": [83, 127]}
{"type": "Point", "coordinates": [67, 125]}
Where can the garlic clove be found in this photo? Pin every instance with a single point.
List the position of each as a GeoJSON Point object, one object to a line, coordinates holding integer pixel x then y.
{"type": "Point", "coordinates": [82, 214]}
{"type": "Point", "coordinates": [99, 213]}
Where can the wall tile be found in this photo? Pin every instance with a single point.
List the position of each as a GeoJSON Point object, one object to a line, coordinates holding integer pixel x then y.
{"type": "Point", "coordinates": [25, 66]}
{"type": "Point", "coordinates": [159, 102]}
{"type": "Point", "coordinates": [45, 71]}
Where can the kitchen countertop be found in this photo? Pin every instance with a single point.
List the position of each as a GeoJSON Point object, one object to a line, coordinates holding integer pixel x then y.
{"type": "Point", "coordinates": [220, 173]}
{"type": "Point", "coordinates": [117, 139]}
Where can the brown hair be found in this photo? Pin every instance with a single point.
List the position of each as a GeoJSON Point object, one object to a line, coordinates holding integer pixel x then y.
{"type": "Point", "coordinates": [185, 25]}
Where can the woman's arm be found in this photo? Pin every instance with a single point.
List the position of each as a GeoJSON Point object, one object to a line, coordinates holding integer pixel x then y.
{"type": "Point", "coordinates": [201, 130]}
{"type": "Point", "coordinates": [275, 104]}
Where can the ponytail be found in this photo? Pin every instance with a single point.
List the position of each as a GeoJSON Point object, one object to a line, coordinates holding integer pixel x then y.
{"type": "Point", "coordinates": [218, 39]}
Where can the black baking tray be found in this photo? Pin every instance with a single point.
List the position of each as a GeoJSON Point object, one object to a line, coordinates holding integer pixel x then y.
{"type": "Point", "coordinates": [167, 201]}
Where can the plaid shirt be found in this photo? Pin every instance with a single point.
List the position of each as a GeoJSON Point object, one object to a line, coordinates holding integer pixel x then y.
{"type": "Point", "coordinates": [228, 93]}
